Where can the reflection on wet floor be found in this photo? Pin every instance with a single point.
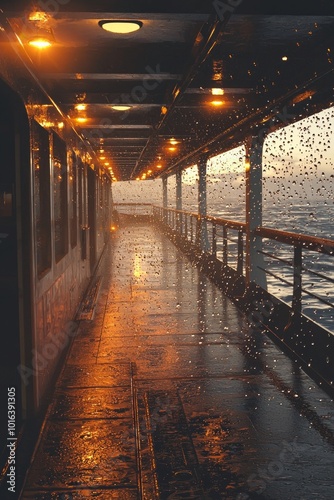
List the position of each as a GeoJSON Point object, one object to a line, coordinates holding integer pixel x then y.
{"type": "Point", "coordinates": [167, 394]}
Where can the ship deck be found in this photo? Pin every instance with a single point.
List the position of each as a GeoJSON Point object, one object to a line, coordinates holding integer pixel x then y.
{"type": "Point", "coordinates": [167, 392]}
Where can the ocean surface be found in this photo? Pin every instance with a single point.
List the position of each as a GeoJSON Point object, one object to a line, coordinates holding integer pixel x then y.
{"type": "Point", "coordinates": [315, 219]}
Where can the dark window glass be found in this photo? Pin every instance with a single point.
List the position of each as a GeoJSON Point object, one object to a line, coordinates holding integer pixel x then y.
{"type": "Point", "coordinates": [73, 198]}
{"type": "Point", "coordinates": [60, 197]}
{"type": "Point", "coordinates": [41, 165]}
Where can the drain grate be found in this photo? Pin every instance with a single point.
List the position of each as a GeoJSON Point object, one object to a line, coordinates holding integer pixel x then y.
{"type": "Point", "coordinates": [164, 429]}
{"type": "Point", "coordinates": [87, 307]}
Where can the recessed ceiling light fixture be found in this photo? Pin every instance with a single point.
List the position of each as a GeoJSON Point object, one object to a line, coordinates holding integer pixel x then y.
{"type": "Point", "coordinates": [173, 141]}
{"type": "Point", "coordinates": [217, 91]}
{"type": "Point", "coordinates": [217, 103]}
{"type": "Point", "coordinates": [40, 42]}
{"type": "Point", "coordinates": [81, 119]}
{"type": "Point", "coordinates": [80, 107]}
{"type": "Point", "coordinates": [121, 27]}
{"type": "Point", "coordinates": [121, 107]}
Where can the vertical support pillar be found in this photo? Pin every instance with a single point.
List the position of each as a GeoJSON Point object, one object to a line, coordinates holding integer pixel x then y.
{"type": "Point", "coordinates": [164, 199]}
{"type": "Point", "coordinates": [254, 259]}
{"type": "Point", "coordinates": [178, 190]}
{"type": "Point", "coordinates": [203, 233]}
{"type": "Point", "coordinates": [178, 178]}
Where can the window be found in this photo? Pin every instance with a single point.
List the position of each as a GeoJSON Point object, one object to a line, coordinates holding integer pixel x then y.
{"type": "Point", "coordinates": [60, 197]}
{"type": "Point", "coordinates": [73, 198]}
{"type": "Point", "coordinates": [41, 165]}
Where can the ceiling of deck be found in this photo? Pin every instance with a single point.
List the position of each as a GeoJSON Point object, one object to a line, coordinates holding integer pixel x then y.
{"type": "Point", "coordinates": [264, 57]}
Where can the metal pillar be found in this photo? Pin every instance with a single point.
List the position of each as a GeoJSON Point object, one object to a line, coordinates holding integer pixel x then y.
{"type": "Point", "coordinates": [164, 198]}
{"type": "Point", "coordinates": [178, 190]}
{"type": "Point", "coordinates": [203, 233]}
{"type": "Point", "coordinates": [254, 259]}
{"type": "Point", "coordinates": [179, 218]}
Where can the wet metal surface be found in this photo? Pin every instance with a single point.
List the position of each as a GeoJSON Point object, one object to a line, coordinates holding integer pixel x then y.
{"type": "Point", "coordinates": [168, 394]}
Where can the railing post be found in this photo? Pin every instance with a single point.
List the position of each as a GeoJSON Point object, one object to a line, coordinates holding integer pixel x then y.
{"type": "Point", "coordinates": [203, 240]}
{"type": "Point", "coordinates": [198, 230]}
{"type": "Point", "coordinates": [254, 259]}
{"type": "Point", "coordinates": [164, 199]}
{"type": "Point", "coordinates": [240, 252]}
{"type": "Point", "coordinates": [214, 239]}
{"type": "Point", "coordinates": [224, 245]}
{"type": "Point", "coordinates": [186, 225]}
{"type": "Point", "coordinates": [191, 228]}
{"type": "Point", "coordinates": [297, 280]}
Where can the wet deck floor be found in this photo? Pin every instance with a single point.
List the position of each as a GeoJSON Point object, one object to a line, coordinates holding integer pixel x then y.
{"type": "Point", "coordinates": [164, 396]}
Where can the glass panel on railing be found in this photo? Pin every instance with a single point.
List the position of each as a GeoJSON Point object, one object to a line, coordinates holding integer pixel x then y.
{"type": "Point", "coordinates": [298, 180]}
{"type": "Point", "coordinates": [190, 189]}
{"type": "Point", "coordinates": [135, 197]}
{"type": "Point", "coordinates": [298, 184]}
{"type": "Point", "coordinates": [171, 191]}
{"type": "Point", "coordinates": [226, 185]}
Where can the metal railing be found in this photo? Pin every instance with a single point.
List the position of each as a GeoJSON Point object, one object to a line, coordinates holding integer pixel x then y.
{"type": "Point", "coordinates": [223, 239]}
{"type": "Point", "coordinates": [303, 265]}
{"type": "Point", "coordinates": [290, 260]}
{"type": "Point", "coordinates": [134, 208]}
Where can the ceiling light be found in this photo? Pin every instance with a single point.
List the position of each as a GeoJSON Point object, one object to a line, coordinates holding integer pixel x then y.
{"type": "Point", "coordinates": [121, 27]}
{"type": "Point", "coordinates": [102, 157]}
{"type": "Point", "coordinates": [81, 119]}
{"type": "Point", "coordinates": [159, 166]}
{"type": "Point", "coordinates": [38, 16]}
{"type": "Point", "coordinates": [217, 103]}
{"type": "Point", "coordinates": [40, 42]}
{"type": "Point", "coordinates": [121, 107]}
{"type": "Point", "coordinates": [173, 141]}
{"type": "Point", "coordinates": [172, 149]}
{"type": "Point", "coordinates": [284, 58]}
{"type": "Point", "coordinates": [80, 107]}
{"type": "Point", "coordinates": [217, 91]}
{"type": "Point", "coordinates": [101, 150]}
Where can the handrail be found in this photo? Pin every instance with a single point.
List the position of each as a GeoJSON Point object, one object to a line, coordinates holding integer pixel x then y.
{"type": "Point", "coordinates": [322, 245]}
{"type": "Point", "coordinates": [192, 227]}
{"type": "Point", "coordinates": [132, 204]}
{"type": "Point", "coordinates": [209, 218]}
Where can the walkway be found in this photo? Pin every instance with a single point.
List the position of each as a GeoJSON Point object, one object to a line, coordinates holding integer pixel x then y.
{"type": "Point", "coordinates": [166, 393]}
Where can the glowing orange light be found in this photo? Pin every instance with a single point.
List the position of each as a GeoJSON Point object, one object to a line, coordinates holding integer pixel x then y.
{"type": "Point", "coordinates": [217, 91]}
{"type": "Point", "coordinates": [217, 103]}
{"type": "Point", "coordinates": [40, 43]}
{"type": "Point", "coordinates": [121, 27]}
{"type": "Point", "coordinates": [81, 119]}
{"type": "Point", "coordinates": [81, 107]}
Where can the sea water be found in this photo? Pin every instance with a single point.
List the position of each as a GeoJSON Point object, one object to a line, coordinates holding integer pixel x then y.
{"type": "Point", "coordinates": [311, 218]}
